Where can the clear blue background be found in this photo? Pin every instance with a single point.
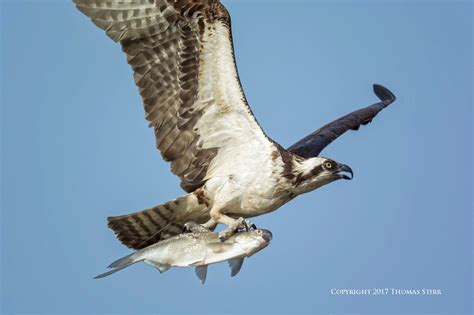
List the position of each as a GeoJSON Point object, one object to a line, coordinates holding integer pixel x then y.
{"type": "Point", "coordinates": [76, 149]}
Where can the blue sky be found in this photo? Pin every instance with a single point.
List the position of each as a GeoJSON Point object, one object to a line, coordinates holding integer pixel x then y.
{"type": "Point", "coordinates": [76, 149]}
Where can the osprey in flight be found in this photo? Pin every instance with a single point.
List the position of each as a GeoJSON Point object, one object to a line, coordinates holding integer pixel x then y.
{"type": "Point", "coordinates": [182, 56]}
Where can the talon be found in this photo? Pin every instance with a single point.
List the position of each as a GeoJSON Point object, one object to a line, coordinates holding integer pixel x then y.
{"type": "Point", "coordinates": [248, 225]}
{"type": "Point", "coordinates": [238, 224]}
{"type": "Point", "coordinates": [234, 227]}
{"type": "Point", "coordinates": [223, 236]}
{"type": "Point", "coordinates": [187, 227]}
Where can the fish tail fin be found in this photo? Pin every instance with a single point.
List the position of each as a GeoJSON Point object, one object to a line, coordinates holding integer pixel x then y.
{"type": "Point", "coordinates": [119, 264]}
{"type": "Point", "coordinates": [108, 273]}
{"type": "Point", "coordinates": [141, 229]}
{"type": "Point", "coordinates": [124, 261]}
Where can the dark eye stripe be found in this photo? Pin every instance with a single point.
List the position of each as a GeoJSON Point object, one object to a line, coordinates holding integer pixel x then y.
{"type": "Point", "coordinates": [300, 178]}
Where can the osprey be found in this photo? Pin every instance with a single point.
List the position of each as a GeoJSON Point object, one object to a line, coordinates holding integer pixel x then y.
{"type": "Point", "coordinates": [182, 56]}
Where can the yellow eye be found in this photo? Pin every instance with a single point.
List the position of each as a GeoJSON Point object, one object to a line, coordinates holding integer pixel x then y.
{"type": "Point", "coordinates": [328, 165]}
{"type": "Point", "coordinates": [259, 232]}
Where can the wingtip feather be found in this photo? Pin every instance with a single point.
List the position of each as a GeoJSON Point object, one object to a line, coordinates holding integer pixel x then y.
{"type": "Point", "coordinates": [384, 94]}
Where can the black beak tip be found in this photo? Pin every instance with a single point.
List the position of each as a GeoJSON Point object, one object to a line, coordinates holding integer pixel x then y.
{"type": "Point", "coordinates": [347, 169]}
{"type": "Point", "coordinates": [347, 177]}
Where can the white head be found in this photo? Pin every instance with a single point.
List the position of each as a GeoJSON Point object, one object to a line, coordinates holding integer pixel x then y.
{"type": "Point", "coordinates": [319, 171]}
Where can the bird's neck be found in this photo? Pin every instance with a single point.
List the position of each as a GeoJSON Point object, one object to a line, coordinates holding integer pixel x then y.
{"type": "Point", "coordinates": [301, 174]}
{"type": "Point", "coordinates": [307, 172]}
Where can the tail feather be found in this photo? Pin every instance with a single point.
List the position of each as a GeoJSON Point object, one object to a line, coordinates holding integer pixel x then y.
{"type": "Point", "coordinates": [141, 229]}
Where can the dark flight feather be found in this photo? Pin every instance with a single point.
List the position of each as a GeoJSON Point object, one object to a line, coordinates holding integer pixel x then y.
{"type": "Point", "coordinates": [313, 144]}
{"type": "Point", "coordinates": [182, 57]}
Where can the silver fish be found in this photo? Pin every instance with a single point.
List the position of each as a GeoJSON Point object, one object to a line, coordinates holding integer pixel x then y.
{"type": "Point", "coordinates": [197, 249]}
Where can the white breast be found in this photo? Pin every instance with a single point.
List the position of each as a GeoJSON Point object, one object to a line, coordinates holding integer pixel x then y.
{"type": "Point", "coordinates": [248, 189]}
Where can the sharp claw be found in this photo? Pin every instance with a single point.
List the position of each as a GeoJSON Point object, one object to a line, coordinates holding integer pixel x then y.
{"type": "Point", "coordinates": [249, 225]}
{"type": "Point", "coordinates": [186, 228]}
{"type": "Point", "coordinates": [223, 236]}
{"type": "Point", "coordinates": [246, 225]}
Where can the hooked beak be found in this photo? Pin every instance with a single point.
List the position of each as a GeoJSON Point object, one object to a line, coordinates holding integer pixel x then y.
{"type": "Point", "coordinates": [347, 169]}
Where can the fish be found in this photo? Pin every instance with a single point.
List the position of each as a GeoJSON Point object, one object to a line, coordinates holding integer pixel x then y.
{"type": "Point", "coordinates": [198, 249]}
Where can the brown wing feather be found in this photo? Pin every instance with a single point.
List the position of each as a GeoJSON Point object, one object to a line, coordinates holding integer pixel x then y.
{"type": "Point", "coordinates": [164, 41]}
{"type": "Point", "coordinates": [313, 144]}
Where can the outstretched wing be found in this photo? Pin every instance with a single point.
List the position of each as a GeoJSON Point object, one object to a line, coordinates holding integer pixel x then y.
{"type": "Point", "coordinates": [183, 61]}
{"type": "Point", "coordinates": [312, 145]}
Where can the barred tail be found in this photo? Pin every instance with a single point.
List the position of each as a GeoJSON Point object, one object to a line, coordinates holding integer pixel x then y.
{"type": "Point", "coordinates": [141, 229]}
